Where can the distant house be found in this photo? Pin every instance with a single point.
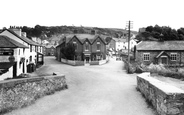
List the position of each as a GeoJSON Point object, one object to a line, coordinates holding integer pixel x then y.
{"type": "Point", "coordinates": [49, 50]}
{"type": "Point", "coordinates": [89, 47]}
{"type": "Point", "coordinates": [12, 57]}
{"type": "Point", "coordinates": [117, 44]}
{"type": "Point", "coordinates": [160, 52]}
{"type": "Point", "coordinates": [122, 44]}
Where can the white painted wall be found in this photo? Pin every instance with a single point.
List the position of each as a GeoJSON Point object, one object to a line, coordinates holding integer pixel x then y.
{"type": "Point", "coordinates": [132, 44]}
{"type": "Point", "coordinates": [8, 74]}
{"type": "Point", "coordinates": [26, 53]}
{"type": "Point", "coordinates": [119, 45]}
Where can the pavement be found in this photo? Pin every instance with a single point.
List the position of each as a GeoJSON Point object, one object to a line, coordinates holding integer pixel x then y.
{"type": "Point", "coordinates": [92, 90]}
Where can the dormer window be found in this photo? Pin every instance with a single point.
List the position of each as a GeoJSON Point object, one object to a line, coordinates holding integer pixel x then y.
{"type": "Point", "coordinates": [98, 46]}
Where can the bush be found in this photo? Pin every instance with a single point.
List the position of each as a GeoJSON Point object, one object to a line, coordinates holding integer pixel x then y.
{"type": "Point", "coordinates": [167, 72]}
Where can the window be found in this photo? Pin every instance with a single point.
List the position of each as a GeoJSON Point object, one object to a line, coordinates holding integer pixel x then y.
{"type": "Point", "coordinates": [23, 51]}
{"type": "Point", "coordinates": [86, 46]}
{"type": "Point", "coordinates": [146, 56]}
{"type": "Point", "coordinates": [30, 59]}
{"type": "Point", "coordinates": [30, 48]}
{"type": "Point", "coordinates": [98, 57]}
{"type": "Point", "coordinates": [75, 45]}
{"type": "Point", "coordinates": [173, 56]}
{"type": "Point", "coordinates": [98, 46]}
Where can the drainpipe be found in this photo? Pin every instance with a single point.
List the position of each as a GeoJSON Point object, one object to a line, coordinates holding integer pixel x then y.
{"type": "Point", "coordinates": [180, 58]}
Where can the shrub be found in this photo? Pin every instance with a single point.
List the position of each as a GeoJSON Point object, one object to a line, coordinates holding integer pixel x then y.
{"type": "Point", "coordinates": [167, 72]}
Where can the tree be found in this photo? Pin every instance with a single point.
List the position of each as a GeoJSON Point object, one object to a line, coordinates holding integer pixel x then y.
{"type": "Point", "coordinates": [149, 29]}
{"type": "Point", "coordinates": [68, 51]}
{"type": "Point", "coordinates": [108, 39]}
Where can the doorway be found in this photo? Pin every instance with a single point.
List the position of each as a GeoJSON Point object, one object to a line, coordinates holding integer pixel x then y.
{"type": "Point", "coordinates": [164, 60]}
{"type": "Point", "coordinates": [15, 70]}
{"type": "Point", "coordinates": [87, 60]}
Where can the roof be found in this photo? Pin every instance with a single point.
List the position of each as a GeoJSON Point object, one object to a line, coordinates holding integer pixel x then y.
{"type": "Point", "coordinates": [119, 39]}
{"type": "Point", "coordinates": [6, 42]}
{"type": "Point", "coordinates": [161, 45]}
{"type": "Point", "coordinates": [6, 65]}
{"type": "Point", "coordinates": [25, 39]}
{"type": "Point", "coordinates": [50, 46]}
{"type": "Point", "coordinates": [83, 37]}
{"type": "Point", "coordinates": [162, 53]}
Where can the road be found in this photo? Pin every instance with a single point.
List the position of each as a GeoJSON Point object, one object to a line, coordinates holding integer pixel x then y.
{"type": "Point", "coordinates": [93, 90]}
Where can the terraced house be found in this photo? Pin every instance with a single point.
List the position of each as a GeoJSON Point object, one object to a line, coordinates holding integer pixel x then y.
{"type": "Point", "coordinates": [88, 47]}
{"type": "Point", "coordinates": [31, 56]}
{"type": "Point", "coordinates": [11, 61]}
{"type": "Point", "coordinates": [161, 52]}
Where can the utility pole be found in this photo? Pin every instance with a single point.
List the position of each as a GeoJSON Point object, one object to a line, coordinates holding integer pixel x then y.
{"type": "Point", "coordinates": [129, 27]}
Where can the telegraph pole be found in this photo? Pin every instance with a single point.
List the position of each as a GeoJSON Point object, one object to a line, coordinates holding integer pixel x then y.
{"type": "Point", "coordinates": [129, 27]}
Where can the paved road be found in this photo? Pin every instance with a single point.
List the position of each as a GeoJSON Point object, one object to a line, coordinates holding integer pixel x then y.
{"type": "Point", "coordinates": [93, 90]}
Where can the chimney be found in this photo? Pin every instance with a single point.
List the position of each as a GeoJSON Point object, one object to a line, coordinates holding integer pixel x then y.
{"type": "Point", "coordinates": [24, 34]}
{"type": "Point", "coordinates": [93, 32]}
{"type": "Point", "coordinates": [18, 31]}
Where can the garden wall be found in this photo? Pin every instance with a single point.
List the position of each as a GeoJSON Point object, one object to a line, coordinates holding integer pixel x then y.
{"type": "Point", "coordinates": [71, 62]}
{"type": "Point", "coordinates": [165, 98]}
{"type": "Point", "coordinates": [80, 63]}
{"type": "Point", "coordinates": [17, 93]}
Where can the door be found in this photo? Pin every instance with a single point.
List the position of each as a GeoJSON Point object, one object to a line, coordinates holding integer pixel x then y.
{"type": "Point", "coordinates": [164, 60]}
{"type": "Point", "coordinates": [87, 59]}
{"type": "Point", "coordinates": [15, 70]}
{"type": "Point", "coordinates": [23, 68]}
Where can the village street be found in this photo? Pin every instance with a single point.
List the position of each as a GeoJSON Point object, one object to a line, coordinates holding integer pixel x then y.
{"type": "Point", "coordinates": [92, 90]}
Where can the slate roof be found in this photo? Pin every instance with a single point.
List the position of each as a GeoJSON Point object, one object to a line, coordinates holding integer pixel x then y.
{"type": "Point", "coordinates": [83, 37]}
{"type": "Point", "coordinates": [119, 39]}
{"type": "Point", "coordinates": [6, 42]}
{"type": "Point", "coordinates": [161, 45]}
{"type": "Point", "coordinates": [50, 46]}
{"type": "Point", "coordinates": [25, 39]}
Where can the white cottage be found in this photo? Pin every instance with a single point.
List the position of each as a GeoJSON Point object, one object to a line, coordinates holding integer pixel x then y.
{"type": "Point", "coordinates": [30, 54]}
{"type": "Point", "coordinates": [12, 57]}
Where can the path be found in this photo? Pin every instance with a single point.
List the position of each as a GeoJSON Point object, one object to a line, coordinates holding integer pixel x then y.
{"type": "Point", "coordinates": [93, 90]}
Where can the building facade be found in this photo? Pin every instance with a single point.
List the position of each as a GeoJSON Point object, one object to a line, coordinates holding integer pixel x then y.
{"type": "Point", "coordinates": [160, 52]}
{"type": "Point", "coordinates": [12, 57]}
{"type": "Point", "coordinates": [88, 47]}
{"type": "Point", "coordinates": [31, 54]}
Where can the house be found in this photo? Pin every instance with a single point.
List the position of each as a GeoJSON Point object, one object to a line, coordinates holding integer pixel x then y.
{"type": "Point", "coordinates": [88, 47]}
{"type": "Point", "coordinates": [49, 50]}
{"type": "Point", "coordinates": [118, 44]}
{"type": "Point", "coordinates": [160, 52]}
{"type": "Point", "coordinates": [12, 57]}
{"type": "Point", "coordinates": [31, 54]}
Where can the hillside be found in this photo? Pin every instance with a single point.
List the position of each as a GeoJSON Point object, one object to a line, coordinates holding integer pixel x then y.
{"type": "Point", "coordinates": [51, 32]}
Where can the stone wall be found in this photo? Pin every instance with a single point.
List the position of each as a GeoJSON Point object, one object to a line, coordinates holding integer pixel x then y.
{"type": "Point", "coordinates": [72, 62]}
{"type": "Point", "coordinates": [165, 98]}
{"type": "Point", "coordinates": [18, 93]}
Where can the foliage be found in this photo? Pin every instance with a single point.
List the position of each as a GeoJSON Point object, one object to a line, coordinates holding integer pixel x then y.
{"type": "Point", "coordinates": [108, 39]}
{"type": "Point", "coordinates": [68, 51]}
{"type": "Point", "coordinates": [161, 33]}
{"type": "Point", "coordinates": [165, 71]}
{"type": "Point", "coordinates": [48, 31]}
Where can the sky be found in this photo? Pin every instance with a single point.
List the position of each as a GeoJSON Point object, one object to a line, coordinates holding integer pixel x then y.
{"type": "Point", "coordinates": [92, 13]}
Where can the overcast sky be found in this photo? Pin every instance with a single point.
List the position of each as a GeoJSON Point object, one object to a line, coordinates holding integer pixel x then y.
{"type": "Point", "coordinates": [95, 13]}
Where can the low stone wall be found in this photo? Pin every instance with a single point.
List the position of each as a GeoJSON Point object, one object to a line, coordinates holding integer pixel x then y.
{"type": "Point", "coordinates": [80, 63]}
{"type": "Point", "coordinates": [71, 62]}
{"type": "Point", "coordinates": [101, 62]}
{"type": "Point", "coordinates": [165, 98]}
{"type": "Point", "coordinates": [94, 62]}
{"type": "Point", "coordinates": [18, 93]}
